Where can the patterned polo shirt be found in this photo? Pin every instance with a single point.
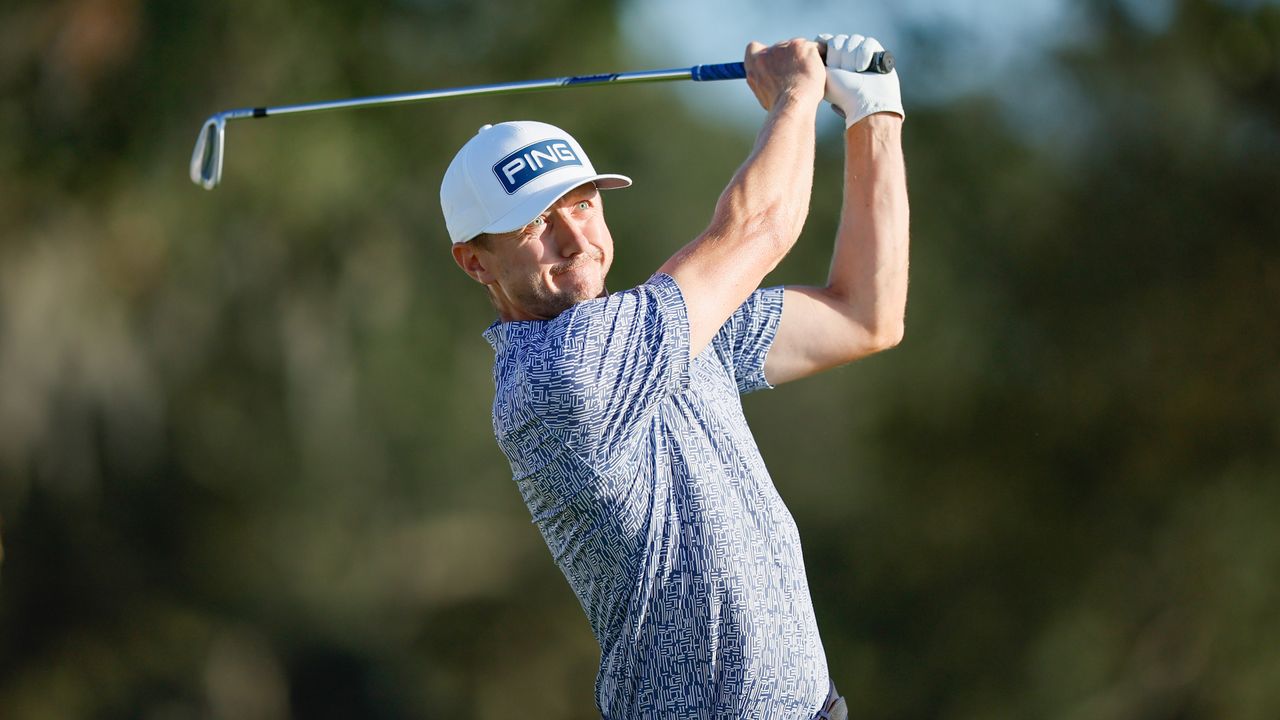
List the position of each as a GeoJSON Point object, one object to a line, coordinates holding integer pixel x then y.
{"type": "Point", "coordinates": [639, 469]}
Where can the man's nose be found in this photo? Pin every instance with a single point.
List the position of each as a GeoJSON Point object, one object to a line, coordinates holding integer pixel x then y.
{"type": "Point", "coordinates": [571, 237]}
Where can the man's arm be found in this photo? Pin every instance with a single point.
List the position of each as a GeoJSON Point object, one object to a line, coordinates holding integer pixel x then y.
{"type": "Point", "coordinates": [861, 309]}
{"type": "Point", "coordinates": [760, 214]}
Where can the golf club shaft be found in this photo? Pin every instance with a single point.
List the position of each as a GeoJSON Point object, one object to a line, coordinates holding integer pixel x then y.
{"type": "Point", "coordinates": [882, 62]}
{"type": "Point", "coordinates": [207, 158]}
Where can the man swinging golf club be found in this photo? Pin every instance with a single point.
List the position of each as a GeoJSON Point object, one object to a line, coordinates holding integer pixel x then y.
{"type": "Point", "coordinates": [620, 412]}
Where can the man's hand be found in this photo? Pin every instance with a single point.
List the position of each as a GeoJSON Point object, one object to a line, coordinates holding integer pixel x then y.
{"type": "Point", "coordinates": [855, 94]}
{"type": "Point", "coordinates": [788, 69]}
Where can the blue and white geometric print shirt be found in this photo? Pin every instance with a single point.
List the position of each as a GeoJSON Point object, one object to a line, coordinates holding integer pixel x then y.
{"type": "Point", "coordinates": [640, 471]}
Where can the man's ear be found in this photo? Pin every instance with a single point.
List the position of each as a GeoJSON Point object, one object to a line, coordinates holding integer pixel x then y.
{"type": "Point", "coordinates": [467, 256]}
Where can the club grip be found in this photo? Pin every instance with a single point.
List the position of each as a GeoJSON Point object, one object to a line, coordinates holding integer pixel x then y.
{"type": "Point", "coordinates": [881, 62]}
{"type": "Point", "coordinates": [719, 71]}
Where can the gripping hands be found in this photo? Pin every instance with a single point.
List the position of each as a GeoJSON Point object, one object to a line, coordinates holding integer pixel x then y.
{"type": "Point", "coordinates": [854, 94]}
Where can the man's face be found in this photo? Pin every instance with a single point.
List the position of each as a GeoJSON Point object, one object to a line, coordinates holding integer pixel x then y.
{"type": "Point", "coordinates": [556, 261]}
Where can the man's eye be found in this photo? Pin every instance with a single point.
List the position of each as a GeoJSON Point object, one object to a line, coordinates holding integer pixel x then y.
{"type": "Point", "coordinates": [538, 222]}
{"type": "Point", "coordinates": [584, 205]}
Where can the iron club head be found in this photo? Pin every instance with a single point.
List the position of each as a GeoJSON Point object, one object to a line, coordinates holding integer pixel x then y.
{"type": "Point", "coordinates": [206, 159]}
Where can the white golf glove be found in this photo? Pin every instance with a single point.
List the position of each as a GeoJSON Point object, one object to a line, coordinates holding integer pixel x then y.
{"type": "Point", "coordinates": [854, 94]}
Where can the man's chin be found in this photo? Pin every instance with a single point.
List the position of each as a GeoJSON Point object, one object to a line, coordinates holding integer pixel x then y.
{"type": "Point", "coordinates": [567, 300]}
{"type": "Point", "coordinates": [577, 286]}
{"type": "Point", "coordinates": [552, 304]}
{"type": "Point", "coordinates": [569, 289]}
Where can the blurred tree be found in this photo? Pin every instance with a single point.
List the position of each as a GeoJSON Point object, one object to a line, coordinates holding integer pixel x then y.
{"type": "Point", "coordinates": [1063, 485]}
{"type": "Point", "coordinates": [245, 461]}
{"type": "Point", "coordinates": [246, 466]}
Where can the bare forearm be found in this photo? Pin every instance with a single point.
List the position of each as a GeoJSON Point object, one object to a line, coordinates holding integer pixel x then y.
{"type": "Point", "coordinates": [756, 221]}
{"type": "Point", "coordinates": [869, 266]}
{"type": "Point", "coordinates": [772, 187]}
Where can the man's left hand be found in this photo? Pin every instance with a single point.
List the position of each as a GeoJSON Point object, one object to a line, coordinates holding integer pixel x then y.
{"type": "Point", "coordinates": [853, 93]}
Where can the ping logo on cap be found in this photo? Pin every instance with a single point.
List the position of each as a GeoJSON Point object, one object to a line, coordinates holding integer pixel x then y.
{"type": "Point", "coordinates": [530, 161]}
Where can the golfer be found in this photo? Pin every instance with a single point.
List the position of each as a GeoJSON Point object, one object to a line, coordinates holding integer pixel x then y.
{"type": "Point", "coordinates": [620, 412]}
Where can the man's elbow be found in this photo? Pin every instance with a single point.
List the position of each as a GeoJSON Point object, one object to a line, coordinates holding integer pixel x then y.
{"type": "Point", "coordinates": [885, 336]}
{"type": "Point", "coordinates": [880, 337]}
{"type": "Point", "coordinates": [864, 340]}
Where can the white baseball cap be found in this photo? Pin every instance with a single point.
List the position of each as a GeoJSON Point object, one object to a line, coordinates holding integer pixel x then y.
{"type": "Point", "coordinates": [509, 174]}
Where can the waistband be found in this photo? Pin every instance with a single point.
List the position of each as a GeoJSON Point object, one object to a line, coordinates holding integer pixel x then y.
{"type": "Point", "coordinates": [834, 708]}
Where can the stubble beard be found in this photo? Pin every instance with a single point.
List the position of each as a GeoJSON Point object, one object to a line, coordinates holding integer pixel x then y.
{"type": "Point", "coordinates": [541, 301]}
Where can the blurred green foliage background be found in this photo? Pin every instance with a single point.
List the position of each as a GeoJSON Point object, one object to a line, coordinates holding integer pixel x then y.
{"type": "Point", "coordinates": [246, 465]}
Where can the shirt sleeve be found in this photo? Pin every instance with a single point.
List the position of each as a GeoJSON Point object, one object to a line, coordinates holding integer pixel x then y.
{"type": "Point", "coordinates": [745, 338]}
{"type": "Point", "coordinates": [608, 363]}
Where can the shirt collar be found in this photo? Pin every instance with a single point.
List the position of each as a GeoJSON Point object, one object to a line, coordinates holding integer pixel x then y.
{"type": "Point", "coordinates": [502, 335]}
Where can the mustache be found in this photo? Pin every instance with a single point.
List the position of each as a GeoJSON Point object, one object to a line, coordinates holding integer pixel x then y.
{"type": "Point", "coordinates": [576, 262]}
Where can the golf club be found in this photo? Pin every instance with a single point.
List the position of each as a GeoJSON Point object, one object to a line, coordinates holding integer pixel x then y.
{"type": "Point", "coordinates": [206, 159]}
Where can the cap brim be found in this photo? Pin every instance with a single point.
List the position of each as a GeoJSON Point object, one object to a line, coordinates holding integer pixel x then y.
{"type": "Point", "coordinates": [537, 203]}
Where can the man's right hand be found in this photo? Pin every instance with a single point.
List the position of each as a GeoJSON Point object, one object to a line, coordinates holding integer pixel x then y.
{"type": "Point", "coordinates": [790, 68]}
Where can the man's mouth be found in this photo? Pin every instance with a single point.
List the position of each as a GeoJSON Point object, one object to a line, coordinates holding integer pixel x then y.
{"type": "Point", "coordinates": [577, 262]}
